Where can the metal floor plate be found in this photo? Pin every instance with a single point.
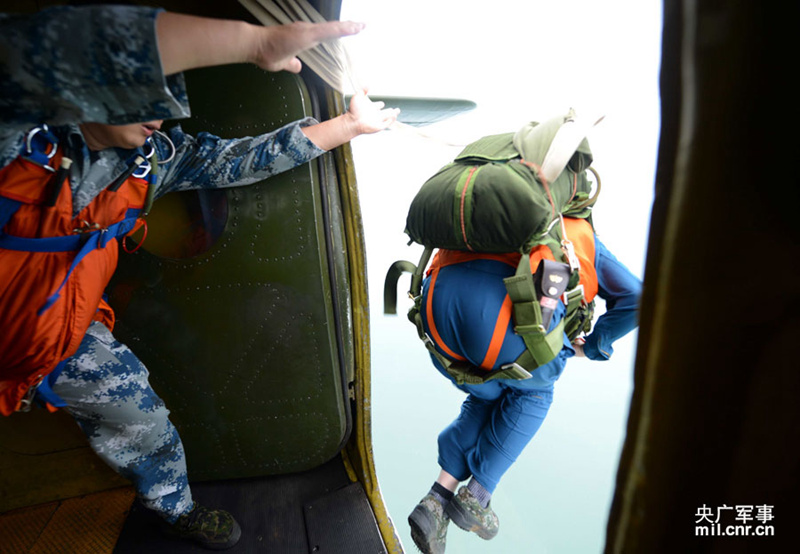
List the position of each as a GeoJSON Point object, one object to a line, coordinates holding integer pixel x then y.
{"type": "Point", "coordinates": [284, 514]}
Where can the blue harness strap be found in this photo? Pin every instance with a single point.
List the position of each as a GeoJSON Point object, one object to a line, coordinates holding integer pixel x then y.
{"type": "Point", "coordinates": [39, 147]}
{"type": "Point", "coordinates": [83, 243]}
{"type": "Point", "coordinates": [8, 208]}
{"type": "Point", "coordinates": [44, 392]}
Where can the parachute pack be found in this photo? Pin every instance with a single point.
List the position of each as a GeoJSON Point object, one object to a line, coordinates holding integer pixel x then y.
{"type": "Point", "coordinates": [508, 193]}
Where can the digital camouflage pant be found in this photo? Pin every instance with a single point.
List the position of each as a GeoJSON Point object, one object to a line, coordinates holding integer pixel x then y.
{"type": "Point", "coordinates": [106, 390]}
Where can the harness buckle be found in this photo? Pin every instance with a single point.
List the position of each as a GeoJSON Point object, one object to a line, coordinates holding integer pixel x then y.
{"type": "Point", "coordinates": [40, 145]}
{"type": "Point", "coordinates": [143, 170]}
{"type": "Point", "coordinates": [146, 166]}
{"type": "Point", "coordinates": [26, 403]}
{"type": "Point", "coordinates": [87, 227]}
{"type": "Point", "coordinates": [534, 328]}
{"type": "Point", "coordinates": [571, 293]}
{"type": "Point", "coordinates": [569, 252]}
{"type": "Point", "coordinates": [516, 371]}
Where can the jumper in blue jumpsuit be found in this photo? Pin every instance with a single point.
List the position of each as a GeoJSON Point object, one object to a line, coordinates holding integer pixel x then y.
{"type": "Point", "coordinates": [500, 417]}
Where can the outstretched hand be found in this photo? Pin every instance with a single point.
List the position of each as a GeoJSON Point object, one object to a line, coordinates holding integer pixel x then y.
{"type": "Point", "coordinates": [368, 116]}
{"type": "Point", "coordinates": [364, 116]}
{"type": "Point", "coordinates": [188, 41]}
{"type": "Point", "coordinates": [278, 46]}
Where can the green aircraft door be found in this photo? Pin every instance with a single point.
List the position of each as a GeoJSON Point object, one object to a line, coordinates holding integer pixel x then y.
{"type": "Point", "coordinates": [234, 300]}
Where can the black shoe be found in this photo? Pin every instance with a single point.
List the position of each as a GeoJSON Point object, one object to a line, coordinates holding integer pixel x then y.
{"type": "Point", "coordinates": [212, 529]}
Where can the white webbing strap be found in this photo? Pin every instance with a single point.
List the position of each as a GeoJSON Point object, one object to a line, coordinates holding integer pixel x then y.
{"type": "Point", "coordinates": [564, 143]}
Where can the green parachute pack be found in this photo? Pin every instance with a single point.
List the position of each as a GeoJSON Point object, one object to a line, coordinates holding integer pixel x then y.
{"type": "Point", "coordinates": [507, 193]}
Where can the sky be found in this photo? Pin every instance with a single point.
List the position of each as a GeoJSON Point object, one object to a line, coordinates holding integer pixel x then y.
{"type": "Point", "coordinates": [520, 62]}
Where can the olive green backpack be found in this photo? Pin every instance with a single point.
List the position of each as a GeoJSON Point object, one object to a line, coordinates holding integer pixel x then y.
{"type": "Point", "coordinates": [507, 193]}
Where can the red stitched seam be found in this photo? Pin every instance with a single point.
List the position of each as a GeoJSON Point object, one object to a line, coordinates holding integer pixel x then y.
{"type": "Point", "coordinates": [463, 201]}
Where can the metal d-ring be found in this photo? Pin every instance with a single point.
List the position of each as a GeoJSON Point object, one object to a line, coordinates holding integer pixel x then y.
{"type": "Point", "coordinates": [44, 129]}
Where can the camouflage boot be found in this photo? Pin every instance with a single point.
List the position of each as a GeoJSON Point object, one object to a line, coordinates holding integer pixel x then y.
{"type": "Point", "coordinates": [467, 513]}
{"type": "Point", "coordinates": [212, 529]}
{"type": "Point", "coordinates": [428, 524]}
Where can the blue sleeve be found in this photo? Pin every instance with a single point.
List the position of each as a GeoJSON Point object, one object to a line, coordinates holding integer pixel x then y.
{"type": "Point", "coordinates": [621, 291]}
{"type": "Point", "coordinates": [208, 161]}
{"type": "Point", "coordinates": [93, 63]}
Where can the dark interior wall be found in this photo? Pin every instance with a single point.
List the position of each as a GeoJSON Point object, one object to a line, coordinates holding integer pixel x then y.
{"type": "Point", "coordinates": [714, 417]}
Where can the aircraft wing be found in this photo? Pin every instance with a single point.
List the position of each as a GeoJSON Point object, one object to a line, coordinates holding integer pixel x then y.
{"type": "Point", "coordinates": [420, 111]}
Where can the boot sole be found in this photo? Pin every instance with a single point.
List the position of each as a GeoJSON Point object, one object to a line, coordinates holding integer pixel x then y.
{"type": "Point", "coordinates": [421, 530]}
{"type": "Point", "coordinates": [466, 521]}
{"type": "Point", "coordinates": [236, 534]}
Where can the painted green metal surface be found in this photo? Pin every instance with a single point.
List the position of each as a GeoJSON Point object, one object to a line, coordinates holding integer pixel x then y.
{"type": "Point", "coordinates": [241, 340]}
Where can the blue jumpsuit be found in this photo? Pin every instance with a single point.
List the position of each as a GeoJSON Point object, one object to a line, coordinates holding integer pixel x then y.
{"type": "Point", "coordinates": [500, 417]}
{"type": "Point", "coordinates": [64, 66]}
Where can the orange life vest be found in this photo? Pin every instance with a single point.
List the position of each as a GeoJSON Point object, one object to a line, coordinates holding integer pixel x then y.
{"type": "Point", "coordinates": [579, 232]}
{"type": "Point", "coordinates": [40, 328]}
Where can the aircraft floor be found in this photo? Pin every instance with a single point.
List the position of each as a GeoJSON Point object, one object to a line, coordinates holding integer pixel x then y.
{"type": "Point", "coordinates": [315, 511]}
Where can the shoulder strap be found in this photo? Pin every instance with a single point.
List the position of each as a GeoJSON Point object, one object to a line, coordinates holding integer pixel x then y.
{"type": "Point", "coordinates": [8, 208]}
{"type": "Point", "coordinates": [396, 270]}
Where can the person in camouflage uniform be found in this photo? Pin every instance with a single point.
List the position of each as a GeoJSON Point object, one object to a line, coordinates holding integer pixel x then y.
{"type": "Point", "coordinates": [104, 78]}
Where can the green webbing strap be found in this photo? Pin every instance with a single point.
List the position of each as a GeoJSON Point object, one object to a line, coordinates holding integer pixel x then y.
{"type": "Point", "coordinates": [551, 345]}
{"type": "Point", "coordinates": [467, 374]}
{"type": "Point", "coordinates": [419, 272]}
{"type": "Point", "coordinates": [393, 275]}
{"type": "Point", "coordinates": [509, 371]}
{"type": "Point", "coordinates": [151, 187]}
{"type": "Point", "coordinates": [542, 346]}
{"type": "Point", "coordinates": [574, 303]}
{"type": "Point", "coordinates": [415, 292]}
{"type": "Point", "coordinates": [390, 284]}
{"type": "Point", "coordinates": [463, 373]}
